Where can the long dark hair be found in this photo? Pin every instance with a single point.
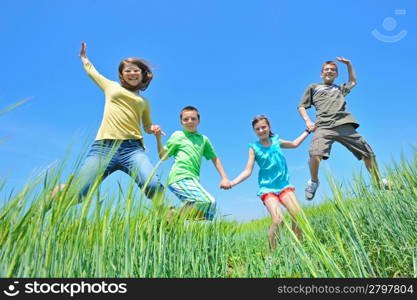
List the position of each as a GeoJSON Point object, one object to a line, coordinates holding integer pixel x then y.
{"type": "Point", "coordinates": [260, 118]}
{"type": "Point", "coordinates": [146, 73]}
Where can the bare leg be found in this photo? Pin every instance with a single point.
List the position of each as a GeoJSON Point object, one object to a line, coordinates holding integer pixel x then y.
{"type": "Point", "coordinates": [289, 200]}
{"type": "Point", "coordinates": [314, 164]}
{"type": "Point", "coordinates": [57, 189]}
{"type": "Point", "coordinates": [372, 168]}
{"type": "Point", "coordinates": [272, 204]}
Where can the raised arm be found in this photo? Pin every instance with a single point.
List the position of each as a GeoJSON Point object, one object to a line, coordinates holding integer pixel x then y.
{"type": "Point", "coordinates": [295, 143]}
{"type": "Point", "coordinates": [245, 174]}
{"type": "Point", "coordinates": [351, 71]}
{"type": "Point", "coordinates": [99, 79]}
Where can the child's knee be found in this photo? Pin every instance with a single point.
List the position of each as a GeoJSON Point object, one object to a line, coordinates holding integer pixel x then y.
{"type": "Point", "coordinates": [276, 221]}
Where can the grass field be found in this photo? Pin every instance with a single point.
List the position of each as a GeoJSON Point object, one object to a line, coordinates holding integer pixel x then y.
{"type": "Point", "coordinates": [360, 231]}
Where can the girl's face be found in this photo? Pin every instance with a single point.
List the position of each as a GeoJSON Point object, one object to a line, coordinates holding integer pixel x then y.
{"type": "Point", "coordinates": [262, 129]}
{"type": "Point", "coordinates": [132, 74]}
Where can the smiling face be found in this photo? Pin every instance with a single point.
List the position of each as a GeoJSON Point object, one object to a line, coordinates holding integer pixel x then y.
{"type": "Point", "coordinates": [329, 73]}
{"type": "Point", "coordinates": [190, 120]}
{"type": "Point", "coordinates": [132, 75]}
{"type": "Point", "coordinates": [262, 129]}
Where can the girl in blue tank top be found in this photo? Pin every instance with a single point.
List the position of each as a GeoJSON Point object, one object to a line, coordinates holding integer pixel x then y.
{"type": "Point", "coordinates": [273, 179]}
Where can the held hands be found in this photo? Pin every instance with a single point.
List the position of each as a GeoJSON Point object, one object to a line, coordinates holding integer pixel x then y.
{"type": "Point", "coordinates": [225, 184]}
{"type": "Point", "coordinates": [311, 126]}
{"type": "Point", "coordinates": [156, 130]}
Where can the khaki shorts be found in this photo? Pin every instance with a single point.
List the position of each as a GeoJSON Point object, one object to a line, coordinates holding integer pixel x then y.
{"type": "Point", "coordinates": [344, 134]}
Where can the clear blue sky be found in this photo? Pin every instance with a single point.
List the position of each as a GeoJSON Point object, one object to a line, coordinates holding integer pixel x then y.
{"type": "Point", "coordinates": [231, 59]}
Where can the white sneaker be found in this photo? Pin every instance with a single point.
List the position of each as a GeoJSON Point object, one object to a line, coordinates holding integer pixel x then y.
{"type": "Point", "coordinates": [385, 183]}
{"type": "Point", "coordinates": [311, 189]}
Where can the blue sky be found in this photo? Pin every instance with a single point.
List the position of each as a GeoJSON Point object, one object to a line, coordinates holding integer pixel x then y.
{"type": "Point", "coordinates": [231, 59]}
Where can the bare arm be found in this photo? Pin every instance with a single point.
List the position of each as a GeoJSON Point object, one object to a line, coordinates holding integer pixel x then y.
{"type": "Point", "coordinates": [163, 155]}
{"type": "Point", "coordinates": [295, 143]}
{"type": "Point", "coordinates": [351, 71]}
{"type": "Point", "coordinates": [225, 183]}
{"type": "Point", "coordinates": [303, 113]}
{"type": "Point", "coordinates": [245, 174]}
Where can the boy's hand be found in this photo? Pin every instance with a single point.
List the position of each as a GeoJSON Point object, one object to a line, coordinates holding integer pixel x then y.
{"type": "Point", "coordinates": [343, 60]}
{"type": "Point", "coordinates": [311, 126]}
{"type": "Point", "coordinates": [156, 130]}
{"type": "Point", "coordinates": [225, 184]}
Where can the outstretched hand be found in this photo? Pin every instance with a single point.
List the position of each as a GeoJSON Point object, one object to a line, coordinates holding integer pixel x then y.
{"type": "Point", "coordinates": [343, 60]}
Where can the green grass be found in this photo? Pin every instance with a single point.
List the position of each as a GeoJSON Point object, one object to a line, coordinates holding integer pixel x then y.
{"type": "Point", "coordinates": [359, 231]}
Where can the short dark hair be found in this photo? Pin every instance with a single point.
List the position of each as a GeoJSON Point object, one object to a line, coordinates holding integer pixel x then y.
{"type": "Point", "coordinates": [190, 108]}
{"type": "Point", "coordinates": [258, 118]}
{"type": "Point", "coordinates": [146, 73]}
{"type": "Point", "coordinates": [329, 62]}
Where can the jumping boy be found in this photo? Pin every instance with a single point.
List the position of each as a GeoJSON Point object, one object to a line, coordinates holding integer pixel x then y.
{"type": "Point", "coordinates": [188, 147]}
{"type": "Point", "coordinates": [333, 123]}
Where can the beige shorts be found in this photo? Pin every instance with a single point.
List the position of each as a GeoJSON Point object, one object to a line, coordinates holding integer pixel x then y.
{"type": "Point", "coordinates": [346, 134]}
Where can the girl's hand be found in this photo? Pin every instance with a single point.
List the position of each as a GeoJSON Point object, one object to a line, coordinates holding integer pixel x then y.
{"type": "Point", "coordinates": [156, 130]}
{"type": "Point", "coordinates": [83, 49]}
{"type": "Point", "coordinates": [83, 56]}
{"type": "Point", "coordinates": [225, 184]}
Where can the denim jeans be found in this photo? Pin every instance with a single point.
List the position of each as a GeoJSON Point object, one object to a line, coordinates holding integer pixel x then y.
{"type": "Point", "coordinates": [108, 156]}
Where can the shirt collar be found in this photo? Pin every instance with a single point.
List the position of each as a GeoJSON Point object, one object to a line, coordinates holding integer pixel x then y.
{"type": "Point", "coordinates": [187, 133]}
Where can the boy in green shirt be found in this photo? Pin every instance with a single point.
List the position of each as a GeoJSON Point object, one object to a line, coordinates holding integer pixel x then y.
{"type": "Point", "coordinates": [188, 147]}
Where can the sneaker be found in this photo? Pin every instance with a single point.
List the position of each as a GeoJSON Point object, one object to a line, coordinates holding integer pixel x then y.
{"type": "Point", "coordinates": [311, 189]}
{"type": "Point", "coordinates": [386, 184]}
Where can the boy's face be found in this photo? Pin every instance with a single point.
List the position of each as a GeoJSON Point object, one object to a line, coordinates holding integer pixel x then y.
{"type": "Point", "coordinates": [329, 73]}
{"type": "Point", "coordinates": [190, 121]}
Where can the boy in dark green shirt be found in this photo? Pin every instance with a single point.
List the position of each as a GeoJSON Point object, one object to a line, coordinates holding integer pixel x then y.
{"type": "Point", "coordinates": [333, 123]}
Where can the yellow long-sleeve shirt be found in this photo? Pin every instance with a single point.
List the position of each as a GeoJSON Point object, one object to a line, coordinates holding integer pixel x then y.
{"type": "Point", "coordinates": [124, 110]}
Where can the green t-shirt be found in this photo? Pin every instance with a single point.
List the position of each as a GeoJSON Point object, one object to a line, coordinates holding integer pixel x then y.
{"type": "Point", "coordinates": [188, 149]}
{"type": "Point", "coordinates": [330, 104]}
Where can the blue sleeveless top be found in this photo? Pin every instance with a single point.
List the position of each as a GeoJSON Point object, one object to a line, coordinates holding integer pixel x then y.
{"type": "Point", "coordinates": [273, 171]}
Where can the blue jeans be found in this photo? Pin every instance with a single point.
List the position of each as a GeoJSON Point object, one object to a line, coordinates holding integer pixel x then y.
{"type": "Point", "coordinates": [108, 156]}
